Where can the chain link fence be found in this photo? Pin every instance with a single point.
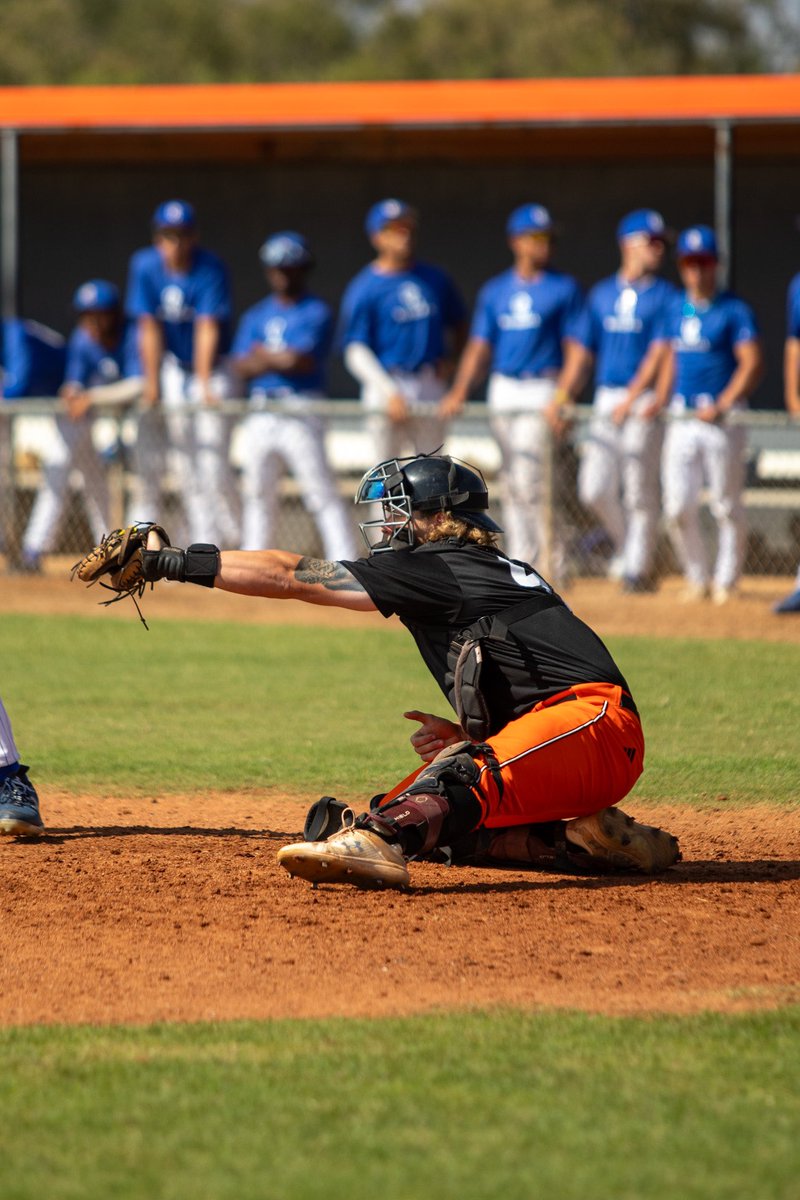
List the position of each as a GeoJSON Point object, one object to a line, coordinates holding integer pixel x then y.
{"type": "Point", "coordinates": [28, 438]}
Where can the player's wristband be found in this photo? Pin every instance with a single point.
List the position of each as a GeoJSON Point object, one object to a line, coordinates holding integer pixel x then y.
{"type": "Point", "coordinates": [562, 397]}
{"type": "Point", "coordinates": [202, 564]}
{"type": "Point", "coordinates": [198, 564]}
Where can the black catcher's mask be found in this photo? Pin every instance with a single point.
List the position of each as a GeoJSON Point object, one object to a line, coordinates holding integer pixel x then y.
{"type": "Point", "coordinates": [425, 484]}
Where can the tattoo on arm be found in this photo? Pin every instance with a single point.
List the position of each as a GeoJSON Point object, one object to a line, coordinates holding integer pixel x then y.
{"type": "Point", "coordinates": [332, 575]}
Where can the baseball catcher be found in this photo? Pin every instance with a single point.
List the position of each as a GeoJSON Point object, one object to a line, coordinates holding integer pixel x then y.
{"type": "Point", "coordinates": [547, 737]}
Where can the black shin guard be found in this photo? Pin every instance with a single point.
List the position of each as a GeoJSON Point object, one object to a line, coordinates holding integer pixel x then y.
{"type": "Point", "coordinates": [438, 809]}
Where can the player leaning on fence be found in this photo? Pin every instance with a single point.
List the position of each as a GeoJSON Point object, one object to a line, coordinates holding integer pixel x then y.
{"type": "Point", "coordinates": [548, 736]}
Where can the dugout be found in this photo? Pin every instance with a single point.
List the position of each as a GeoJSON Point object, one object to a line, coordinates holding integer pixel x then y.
{"type": "Point", "coordinates": [83, 168]}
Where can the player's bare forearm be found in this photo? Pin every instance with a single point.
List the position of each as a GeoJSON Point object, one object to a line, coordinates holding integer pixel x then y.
{"type": "Point", "coordinates": [791, 376]}
{"type": "Point", "coordinates": [575, 371]}
{"type": "Point", "coordinates": [151, 349]}
{"type": "Point", "coordinates": [206, 344]}
{"type": "Point", "coordinates": [471, 370]}
{"type": "Point", "coordinates": [744, 379]}
{"type": "Point", "coordinates": [284, 575]}
{"type": "Point", "coordinates": [259, 359]}
{"type": "Point", "coordinates": [665, 380]}
{"type": "Point", "coordinates": [649, 369]}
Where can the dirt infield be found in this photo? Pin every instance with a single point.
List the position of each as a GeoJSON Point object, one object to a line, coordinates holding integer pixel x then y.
{"type": "Point", "coordinates": [144, 912]}
{"type": "Point", "coordinates": [172, 909]}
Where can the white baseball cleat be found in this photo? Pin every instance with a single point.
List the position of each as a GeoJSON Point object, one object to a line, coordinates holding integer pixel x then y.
{"type": "Point", "coordinates": [616, 838]}
{"type": "Point", "coordinates": [355, 856]}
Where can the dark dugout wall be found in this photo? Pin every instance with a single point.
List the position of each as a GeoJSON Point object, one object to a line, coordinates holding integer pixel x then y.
{"type": "Point", "coordinates": [84, 218]}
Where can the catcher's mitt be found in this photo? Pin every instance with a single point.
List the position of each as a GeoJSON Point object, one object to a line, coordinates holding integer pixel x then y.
{"type": "Point", "coordinates": [116, 563]}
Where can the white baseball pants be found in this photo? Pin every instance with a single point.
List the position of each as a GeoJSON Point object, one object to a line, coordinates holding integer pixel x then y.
{"type": "Point", "coordinates": [423, 431]}
{"type": "Point", "coordinates": [531, 518]}
{"type": "Point", "coordinates": [698, 454]}
{"type": "Point", "coordinates": [71, 449]}
{"type": "Point", "coordinates": [618, 479]}
{"type": "Point", "coordinates": [194, 441]}
{"type": "Point", "coordinates": [8, 748]}
{"type": "Point", "coordinates": [272, 441]}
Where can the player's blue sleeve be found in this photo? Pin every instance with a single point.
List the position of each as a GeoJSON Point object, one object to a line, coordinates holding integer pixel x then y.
{"type": "Point", "coordinates": [319, 334]}
{"type": "Point", "coordinates": [586, 328]}
{"type": "Point", "coordinates": [141, 295]}
{"type": "Point", "coordinates": [34, 358]}
{"type": "Point", "coordinates": [130, 360]}
{"type": "Point", "coordinates": [793, 309]}
{"type": "Point", "coordinates": [667, 324]}
{"type": "Point", "coordinates": [355, 324]}
{"type": "Point", "coordinates": [572, 310]}
{"type": "Point", "coordinates": [213, 297]}
{"type": "Point", "coordinates": [245, 334]}
{"type": "Point", "coordinates": [79, 366]}
{"type": "Point", "coordinates": [484, 318]}
{"type": "Point", "coordinates": [670, 297]}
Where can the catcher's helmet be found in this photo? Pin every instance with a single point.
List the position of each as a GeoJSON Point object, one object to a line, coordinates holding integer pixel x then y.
{"type": "Point", "coordinates": [423, 484]}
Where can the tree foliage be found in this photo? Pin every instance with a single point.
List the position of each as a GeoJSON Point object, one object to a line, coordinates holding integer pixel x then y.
{"type": "Point", "coordinates": [175, 41]}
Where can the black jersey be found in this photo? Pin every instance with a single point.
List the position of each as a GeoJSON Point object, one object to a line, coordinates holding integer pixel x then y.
{"type": "Point", "coordinates": [440, 588]}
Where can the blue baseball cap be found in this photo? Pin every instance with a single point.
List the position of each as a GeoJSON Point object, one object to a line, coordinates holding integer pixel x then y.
{"type": "Point", "coordinates": [697, 240]}
{"type": "Point", "coordinates": [287, 249]}
{"type": "Point", "coordinates": [388, 210]}
{"type": "Point", "coordinates": [96, 295]}
{"type": "Point", "coordinates": [174, 214]}
{"type": "Point", "coordinates": [529, 218]}
{"type": "Point", "coordinates": [643, 221]}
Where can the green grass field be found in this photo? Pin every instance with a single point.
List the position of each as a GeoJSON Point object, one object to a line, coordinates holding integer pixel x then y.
{"type": "Point", "coordinates": [480, 1105]}
{"type": "Point", "coordinates": [106, 707]}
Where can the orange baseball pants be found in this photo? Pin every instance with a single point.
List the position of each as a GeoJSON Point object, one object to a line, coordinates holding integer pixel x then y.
{"type": "Point", "coordinates": [571, 755]}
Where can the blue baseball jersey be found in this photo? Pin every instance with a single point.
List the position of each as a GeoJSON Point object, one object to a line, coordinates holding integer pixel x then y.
{"type": "Point", "coordinates": [618, 323]}
{"type": "Point", "coordinates": [90, 364]}
{"type": "Point", "coordinates": [33, 359]}
{"type": "Point", "coordinates": [793, 309]}
{"type": "Point", "coordinates": [401, 315]}
{"type": "Point", "coordinates": [176, 299]}
{"type": "Point", "coordinates": [305, 326]}
{"type": "Point", "coordinates": [526, 320]}
{"type": "Point", "coordinates": [704, 336]}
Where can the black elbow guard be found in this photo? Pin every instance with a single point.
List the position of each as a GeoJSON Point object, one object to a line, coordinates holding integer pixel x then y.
{"type": "Point", "coordinates": [197, 564]}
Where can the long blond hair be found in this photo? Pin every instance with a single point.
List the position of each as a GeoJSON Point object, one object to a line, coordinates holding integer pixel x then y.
{"type": "Point", "coordinates": [450, 526]}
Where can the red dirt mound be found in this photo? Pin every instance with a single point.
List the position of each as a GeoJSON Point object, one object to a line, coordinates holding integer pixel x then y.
{"type": "Point", "coordinates": [144, 911]}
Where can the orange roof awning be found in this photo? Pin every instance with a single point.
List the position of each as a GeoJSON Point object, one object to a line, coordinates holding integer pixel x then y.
{"type": "Point", "coordinates": [431, 104]}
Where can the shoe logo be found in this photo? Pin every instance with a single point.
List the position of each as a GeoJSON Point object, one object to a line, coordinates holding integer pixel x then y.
{"type": "Point", "coordinates": [631, 752]}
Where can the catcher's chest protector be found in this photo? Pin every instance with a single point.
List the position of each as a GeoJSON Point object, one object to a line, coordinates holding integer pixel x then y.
{"type": "Point", "coordinates": [470, 658]}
